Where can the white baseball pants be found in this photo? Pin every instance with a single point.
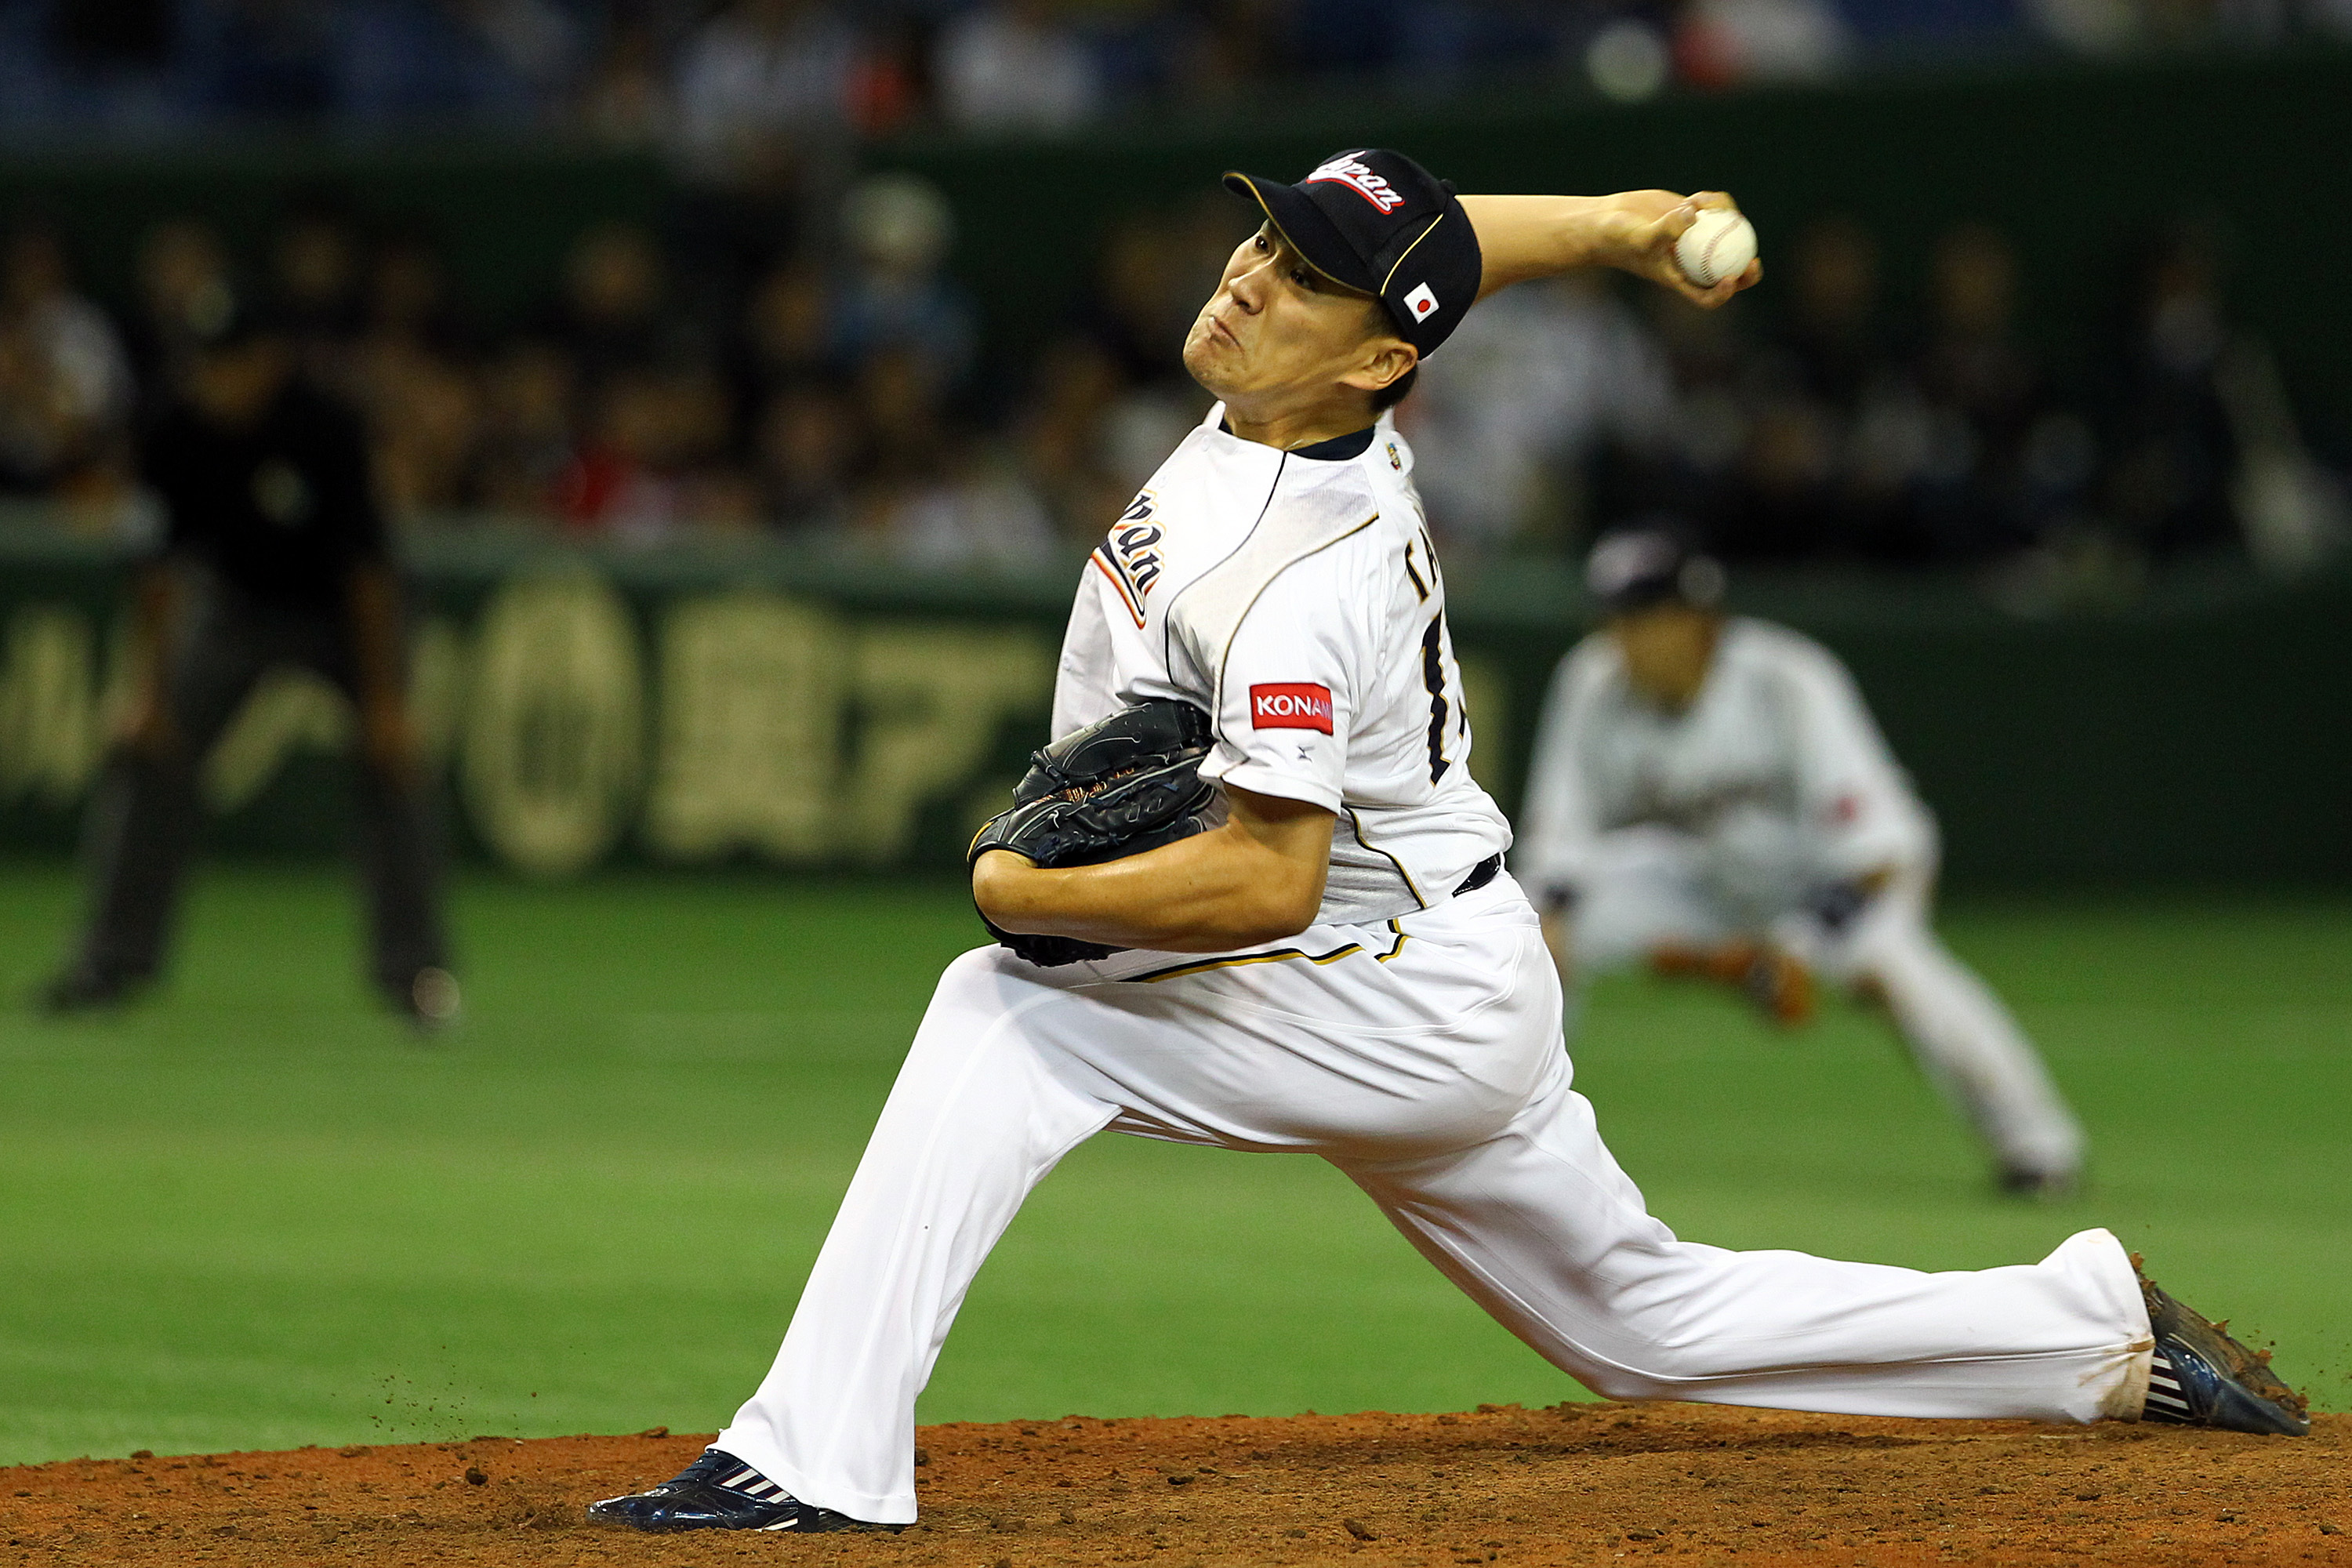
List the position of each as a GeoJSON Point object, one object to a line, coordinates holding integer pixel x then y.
{"type": "Point", "coordinates": [1424, 1058]}
{"type": "Point", "coordinates": [1650, 887]}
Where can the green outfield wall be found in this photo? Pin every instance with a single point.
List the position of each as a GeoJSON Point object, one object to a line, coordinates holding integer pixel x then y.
{"type": "Point", "coordinates": [705, 706]}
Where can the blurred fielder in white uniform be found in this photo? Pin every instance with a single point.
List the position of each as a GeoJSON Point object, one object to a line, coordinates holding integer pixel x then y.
{"type": "Point", "coordinates": [1340, 967]}
{"type": "Point", "coordinates": [1709, 795]}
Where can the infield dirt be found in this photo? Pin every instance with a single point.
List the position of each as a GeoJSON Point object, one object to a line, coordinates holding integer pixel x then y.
{"type": "Point", "coordinates": [1579, 1483]}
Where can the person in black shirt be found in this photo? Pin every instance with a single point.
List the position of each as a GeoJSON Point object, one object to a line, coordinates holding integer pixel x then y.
{"type": "Point", "coordinates": [275, 553]}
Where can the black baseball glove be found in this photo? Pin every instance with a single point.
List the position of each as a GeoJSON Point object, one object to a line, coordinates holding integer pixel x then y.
{"type": "Point", "coordinates": [1118, 787]}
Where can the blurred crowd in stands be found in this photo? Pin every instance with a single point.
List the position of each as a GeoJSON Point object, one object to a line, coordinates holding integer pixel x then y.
{"type": "Point", "coordinates": [788, 351]}
{"type": "Point", "coordinates": [831, 386]}
{"type": "Point", "coordinates": [1841, 431]}
{"type": "Point", "coordinates": [699, 76]}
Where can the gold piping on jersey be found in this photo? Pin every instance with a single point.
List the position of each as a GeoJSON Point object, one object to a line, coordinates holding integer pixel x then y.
{"type": "Point", "coordinates": [1419, 586]}
{"type": "Point", "coordinates": [1279, 955]}
{"type": "Point", "coordinates": [1168, 622]}
{"type": "Point", "coordinates": [1356, 826]}
{"type": "Point", "coordinates": [1226, 656]}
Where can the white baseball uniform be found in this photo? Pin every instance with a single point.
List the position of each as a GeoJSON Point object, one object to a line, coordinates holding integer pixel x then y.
{"type": "Point", "coordinates": [1410, 1036]}
{"type": "Point", "coordinates": [1733, 818]}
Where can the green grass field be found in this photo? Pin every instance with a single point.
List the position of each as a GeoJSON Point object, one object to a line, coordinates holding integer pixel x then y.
{"type": "Point", "coordinates": [253, 1212]}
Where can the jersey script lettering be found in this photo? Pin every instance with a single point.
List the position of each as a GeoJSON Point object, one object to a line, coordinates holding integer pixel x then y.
{"type": "Point", "coordinates": [1359, 178]}
{"type": "Point", "coordinates": [1130, 557]}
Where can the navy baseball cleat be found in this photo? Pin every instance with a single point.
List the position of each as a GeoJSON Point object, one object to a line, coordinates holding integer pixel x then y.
{"type": "Point", "coordinates": [2199, 1376]}
{"type": "Point", "coordinates": [719, 1491]}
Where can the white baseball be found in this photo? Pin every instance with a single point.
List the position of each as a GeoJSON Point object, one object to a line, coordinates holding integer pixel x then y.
{"type": "Point", "coordinates": [1720, 245]}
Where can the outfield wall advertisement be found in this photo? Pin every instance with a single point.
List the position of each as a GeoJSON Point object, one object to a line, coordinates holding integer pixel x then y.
{"type": "Point", "coordinates": [577, 711]}
{"type": "Point", "coordinates": [701, 708]}
{"type": "Point", "coordinates": [574, 719]}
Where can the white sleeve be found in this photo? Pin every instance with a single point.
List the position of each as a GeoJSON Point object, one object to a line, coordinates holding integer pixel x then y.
{"type": "Point", "coordinates": [1560, 823]}
{"type": "Point", "coordinates": [1850, 787]}
{"type": "Point", "coordinates": [1083, 679]}
{"type": "Point", "coordinates": [1287, 688]}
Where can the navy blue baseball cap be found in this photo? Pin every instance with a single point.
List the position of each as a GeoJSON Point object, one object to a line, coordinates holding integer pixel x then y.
{"type": "Point", "coordinates": [1652, 562]}
{"type": "Point", "coordinates": [1379, 223]}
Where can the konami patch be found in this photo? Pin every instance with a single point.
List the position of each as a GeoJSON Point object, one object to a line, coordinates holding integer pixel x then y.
{"type": "Point", "coordinates": [1291, 705]}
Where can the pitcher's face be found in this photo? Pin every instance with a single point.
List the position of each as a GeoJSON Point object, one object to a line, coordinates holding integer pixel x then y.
{"type": "Point", "coordinates": [1277, 327]}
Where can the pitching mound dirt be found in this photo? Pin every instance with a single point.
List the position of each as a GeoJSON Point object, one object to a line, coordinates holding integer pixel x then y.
{"type": "Point", "coordinates": [1580, 1483]}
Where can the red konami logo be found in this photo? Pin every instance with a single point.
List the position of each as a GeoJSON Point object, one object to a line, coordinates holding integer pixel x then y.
{"type": "Point", "coordinates": [1291, 705]}
{"type": "Point", "coordinates": [1357, 176]}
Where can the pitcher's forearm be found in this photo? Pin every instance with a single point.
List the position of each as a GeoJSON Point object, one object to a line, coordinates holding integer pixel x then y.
{"type": "Point", "coordinates": [1525, 237]}
{"type": "Point", "coordinates": [1214, 892]}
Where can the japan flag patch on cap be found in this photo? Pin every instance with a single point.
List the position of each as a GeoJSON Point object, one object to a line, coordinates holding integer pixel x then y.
{"type": "Point", "coordinates": [1421, 302]}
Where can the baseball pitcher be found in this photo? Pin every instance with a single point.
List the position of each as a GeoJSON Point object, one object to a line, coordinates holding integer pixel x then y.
{"type": "Point", "coordinates": [1710, 795]}
{"type": "Point", "coordinates": [1251, 899]}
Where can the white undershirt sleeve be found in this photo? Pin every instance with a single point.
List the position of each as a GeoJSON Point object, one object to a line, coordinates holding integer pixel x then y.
{"type": "Point", "coordinates": [1082, 675]}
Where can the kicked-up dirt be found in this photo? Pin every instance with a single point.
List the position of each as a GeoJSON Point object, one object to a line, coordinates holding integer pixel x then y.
{"type": "Point", "coordinates": [1574, 1484]}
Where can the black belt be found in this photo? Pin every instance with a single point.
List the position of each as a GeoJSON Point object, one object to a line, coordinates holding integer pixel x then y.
{"type": "Point", "coordinates": [1484, 872]}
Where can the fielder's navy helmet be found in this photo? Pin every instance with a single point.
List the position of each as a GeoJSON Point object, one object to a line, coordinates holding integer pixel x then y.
{"type": "Point", "coordinates": [1651, 563]}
